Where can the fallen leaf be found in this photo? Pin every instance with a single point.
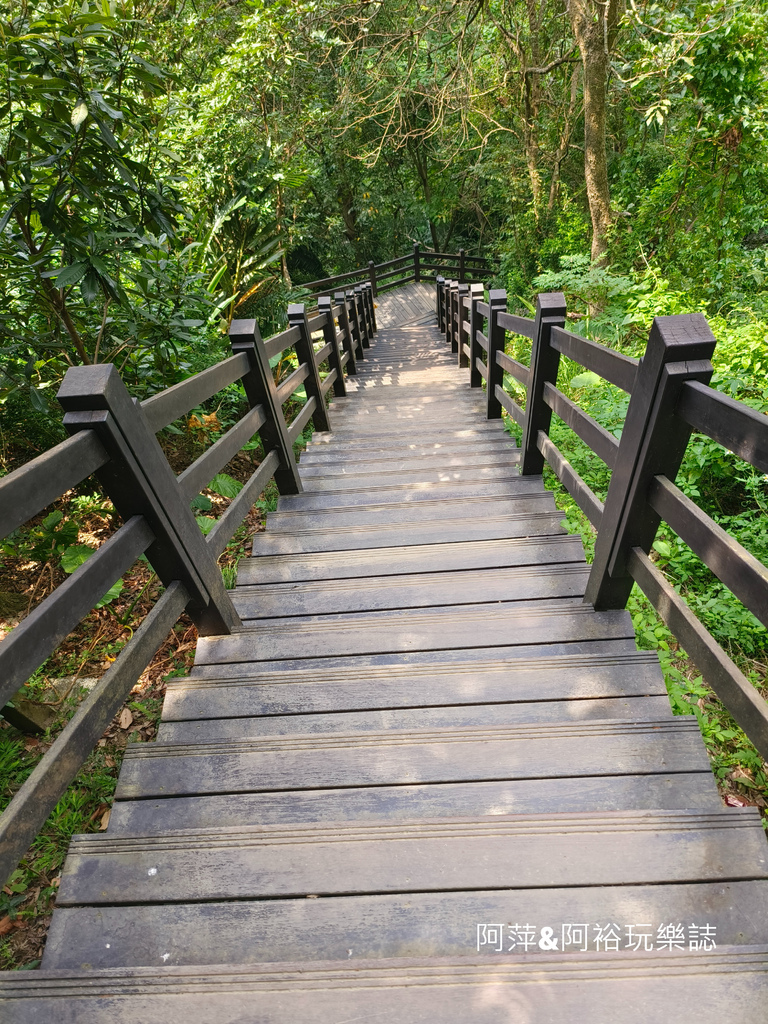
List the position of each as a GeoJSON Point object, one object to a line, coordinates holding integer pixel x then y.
{"type": "Point", "coordinates": [734, 801]}
{"type": "Point", "coordinates": [126, 718]}
{"type": "Point", "coordinates": [105, 819]}
{"type": "Point", "coordinates": [6, 925]}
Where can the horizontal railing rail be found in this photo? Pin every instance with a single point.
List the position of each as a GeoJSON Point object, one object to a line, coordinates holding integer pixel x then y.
{"type": "Point", "coordinates": [670, 397]}
{"type": "Point", "coordinates": [414, 266]}
{"type": "Point", "coordinates": [115, 439]}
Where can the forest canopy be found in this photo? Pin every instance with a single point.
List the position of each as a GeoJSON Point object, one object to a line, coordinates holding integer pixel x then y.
{"type": "Point", "coordinates": [166, 166]}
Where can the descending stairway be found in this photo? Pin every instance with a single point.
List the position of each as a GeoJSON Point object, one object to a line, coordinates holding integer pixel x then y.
{"type": "Point", "coordinates": [423, 762]}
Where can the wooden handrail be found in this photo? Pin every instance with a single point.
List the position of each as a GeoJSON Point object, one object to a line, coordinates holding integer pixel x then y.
{"type": "Point", "coordinates": [669, 397]}
{"type": "Point", "coordinates": [115, 438]}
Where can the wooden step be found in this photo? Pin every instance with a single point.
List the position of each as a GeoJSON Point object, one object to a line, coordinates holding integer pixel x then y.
{"type": "Point", "coordinates": [608, 670]}
{"type": "Point", "coordinates": [404, 758]}
{"type": "Point", "coordinates": [429, 629]}
{"type": "Point", "coordinates": [321, 456]}
{"type": "Point", "coordinates": [429, 531]}
{"type": "Point", "coordinates": [507, 456]}
{"type": "Point", "coordinates": [373, 482]}
{"type": "Point", "coordinates": [411, 719]}
{"type": "Point", "coordinates": [477, 507]}
{"type": "Point", "coordinates": [430, 925]}
{"type": "Point", "coordinates": [416, 493]}
{"type": "Point", "coordinates": [450, 854]}
{"type": "Point", "coordinates": [329, 445]}
{"type": "Point", "coordinates": [157, 816]}
{"type": "Point", "coordinates": [420, 590]}
{"type": "Point", "coordinates": [393, 561]}
{"type": "Point", "coordinates": [730, 983]}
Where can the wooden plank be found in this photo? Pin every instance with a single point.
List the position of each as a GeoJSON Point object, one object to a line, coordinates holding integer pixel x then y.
{"type": "Point", "coordinates": [39, 633]}
{"type": "Point", "coordinates": [418, 558]}
{"type": "Point", "coordinates": [33, 486]}
{"type": "Point", "coordinates": [731, 423]}
{"type": "Point", "coordinates": [728, 984]}
{"type": "Point", "coordinates": [167, 406]}
{"type": "Point", "coordinates": [506, 456]}
{"type": "Point", "coordinates": [410, 591]}
{"type": "Point", "coordinates": [437, 924]}
{"type": "Point", "coordinates": [38, 795]}
{"type": "Point", "coordinates": [509, 851]}
{"type": "Point", "coordinates": [437, 628]}
{"type": "Point", "coordinates": [504, 675]}
{"type": "Point", "coordinates": [541, 524]}
{"type": "Point", "coordinates": [633, 709]}
{"type": "Point", "coordinates": [612, 366]}
{"type": "Point", "coordinates": [380, 759]}
{"type": "Point", "coordinates": [692, 790]}
{"type": "Point", "coordinates": [373, 482]}
{"type": "Point", "coordinates": [411, 512]}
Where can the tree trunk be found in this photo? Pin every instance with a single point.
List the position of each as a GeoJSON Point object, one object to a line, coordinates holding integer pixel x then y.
{"type": "Point", "coordinates": [594, 26]}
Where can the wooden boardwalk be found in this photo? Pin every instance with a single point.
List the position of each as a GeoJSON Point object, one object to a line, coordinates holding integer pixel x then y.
{"type": "Point", "coordinates": [426, 782]}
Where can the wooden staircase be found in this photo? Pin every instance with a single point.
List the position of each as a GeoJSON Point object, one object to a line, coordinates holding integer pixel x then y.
{"type": "Point", "coordinates": [426, 781]}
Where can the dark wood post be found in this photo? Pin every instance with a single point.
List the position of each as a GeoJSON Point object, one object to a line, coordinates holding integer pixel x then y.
{"type": "Point", "coordinates": [372, 307]}
{"type": "Point", "coordinates": [362, 318]}
{"type": "Point", "coordinates": [416, 262]}
{"type": "Point", "coordinates": [462, 271]}
{"type": "Point", "coordinates": [259, 384]}
{"type": "Point", "coordinates": [357, 327]}
{"type": "Point", "coordinates": [347, 331]}
{"type": "Point", "coordinates": [439, 302]}
{"type": "Point", "coordinates": [497, 303]}
{"type": "Point", "coordinates": [447, 311]}
{"type": "Point", "coordinates": [454, 317]}
{"type": "Point", "coordinates": [545, 361]}
{"type": "Point", "coordinates": [365, 291]}
{"type": "Point", "coordinates": [325, 305]}
{"type": "Point", "coordinates": [305, 350]}
{"type": "Point", "coordinates": [372, 277]}
{"type": "Point", "coordinates": [653, 443]}
{"type": "Point", "coordinates": [463, 333]}
{"type": "Point", "coordinates": [140, 482]}
{"type": "Point", "coordinates": [476, 322]}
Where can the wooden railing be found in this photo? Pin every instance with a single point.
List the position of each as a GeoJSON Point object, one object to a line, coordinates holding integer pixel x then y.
{"type": "Point", "coordinates": [669, 398]}
{"type": "Point", "coordinates": [417, 265]}
{"type": "Point", "coordinates": [113, 438]}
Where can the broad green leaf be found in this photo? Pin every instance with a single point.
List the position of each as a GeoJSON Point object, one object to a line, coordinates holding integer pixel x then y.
{"type": "Point", "coordinates": [663, 548]}
{"type": "Point", "coordinates": [225, 485]}
{"type": "Point", "coordinates": [205, 523]}
{"type": "Point", "coordinates": [73, 557]}
{"type": "Point", "coordinates": [588, 379]}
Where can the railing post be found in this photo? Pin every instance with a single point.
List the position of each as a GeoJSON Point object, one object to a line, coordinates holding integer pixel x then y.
{"type": "Point", "coordinates": [439, 302]}
{"type": "Point", "coordinates": [462, 270]}
{"type": "Point", "coordinates": [357, 328]}
{"type": "Point", "coordinates": [653, 443]}
{"type": "Point", "coordinates": [348, 338]}
{"type": "Point", "coordinates": [305, 350]}
{"type": "Point", "coordinates": [476, 294]}
{"type": "Point", "coordinates": [365, 291]}
{"type": "Point", "coordinates": [372, 277]}
{"type": "Point", "coordinates": [462, 334]}
{"type": "Point", "coordinates": [416, 262]}
{"type": "Point", "coordinates": [497, 303]}
{"type": "Point", "coordinates": [454, 320]}
{"type": "Point", "coordinates": [140, 482]}
{"type": "Point", "coordinates": [259, 384]}
{"type": "Point", "coordinates": [362, 318]}
{"type": "Point", "coordinates": [325, 305]}
{"type": "Point", "coordinates": [372, 307]}
{"type": "Point", "coordinates": [545, 362]}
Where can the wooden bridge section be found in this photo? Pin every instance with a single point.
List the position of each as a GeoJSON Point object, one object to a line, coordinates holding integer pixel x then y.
{"type": "Point", "coordinates": [425, 780]}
